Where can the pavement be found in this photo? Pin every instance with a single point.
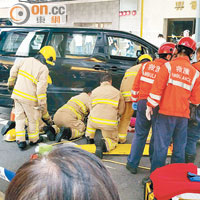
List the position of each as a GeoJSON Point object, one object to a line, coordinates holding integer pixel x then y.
{"type": "Point", "coordinates": [129, 185]}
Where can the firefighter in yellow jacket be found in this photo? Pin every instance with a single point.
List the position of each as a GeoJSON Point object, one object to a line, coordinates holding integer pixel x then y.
{"type": "Point", "coordinates": [107, 104]}
{"type": "Point", "coordinates": [71, 116]}
{"type": "Point", "coordinates": [29, 77]}
{"type": "Point", "coordinates": [125, 89]}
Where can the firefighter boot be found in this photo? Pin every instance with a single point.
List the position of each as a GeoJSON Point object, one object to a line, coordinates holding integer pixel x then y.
{"type": "Point", "coordinates": [89, 141]}
{"type": "Point", "coordinates": [50, 131]}
{"type": "Point", "coordinates": [64, 133]}
{"type": "Point", "coordinates": [39, 140]}
{"type": "Point", "coordinates": [131, 169]}
{"type": "Point", "coordinates": [100, 148]}
{"type": "Point", "coordinates": [189, 158]}
{"type": "Point", "coordinates": [21, 145]}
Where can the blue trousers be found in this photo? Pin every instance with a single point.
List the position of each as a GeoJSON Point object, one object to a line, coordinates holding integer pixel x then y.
{"type": "Point", "coordinates": [193, 135]}
{"type": "Point", "coordinates": [167, 128]}
{"type": "Point", "coordinates": [142, 127]}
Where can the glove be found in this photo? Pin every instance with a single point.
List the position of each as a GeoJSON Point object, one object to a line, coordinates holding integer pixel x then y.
{"type": "Point", "coordinates": [134, 106]}
{"type": "Point", "coordinates": [10, 88]}
{"type": "Point", "coordinates": [149, 112]}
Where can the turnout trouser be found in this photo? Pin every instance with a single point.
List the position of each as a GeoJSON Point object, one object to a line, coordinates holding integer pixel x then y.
{"type": "Point", "coordinates": [168, 127]}
{"type": "Point", "coordinates": [125, 121]}
{"type": "Point", "coordinates": [110, 135]}
{"type": "Point", "coordinates": [142, 128]}
{"type": "Point", "coordinates": [23, 112]}
{"type": "Point", "coordinates": [64, 119]}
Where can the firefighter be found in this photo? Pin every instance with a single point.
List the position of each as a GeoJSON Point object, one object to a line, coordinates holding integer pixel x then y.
{"type": "Point", "coordinates": [140, 91]}
{"type": "Point", "coordinates": [29, 78]}
{"type": "Point", "coordinates": [125, 90]}
{"type": "Point", "coordinates": [107, 104]}
{"type": "Point", "coordinates": [71, 116]}
{"type": "Point", "coordinates": [176, 84]}
{"type": "Point", "coordinates": [193, 127]}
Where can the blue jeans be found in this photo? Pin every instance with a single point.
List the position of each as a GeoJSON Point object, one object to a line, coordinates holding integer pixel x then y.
{"type": "Point", "coordinates": [142, 127]}
{"type": "Point", "coordinates": [168, 127]}
{"type": "Point", "coordinates": [193, 135]}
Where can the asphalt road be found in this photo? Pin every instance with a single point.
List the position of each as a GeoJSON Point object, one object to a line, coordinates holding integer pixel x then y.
{"type": "Point", "coordinates": [129, 185]}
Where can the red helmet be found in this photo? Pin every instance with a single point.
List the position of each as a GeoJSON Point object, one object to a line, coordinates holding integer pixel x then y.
{"type": "Point", "coordinates": [188, 42]}
{"type": "Point", "coordinates": [166, 48]}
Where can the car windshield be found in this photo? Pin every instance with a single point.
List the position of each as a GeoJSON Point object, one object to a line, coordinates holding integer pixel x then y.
{"type": "Point", "coordinates": [20, 43]}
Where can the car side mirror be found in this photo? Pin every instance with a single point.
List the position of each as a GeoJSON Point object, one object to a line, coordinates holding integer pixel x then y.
{"type": "Point", "coordinates": [138, 53]}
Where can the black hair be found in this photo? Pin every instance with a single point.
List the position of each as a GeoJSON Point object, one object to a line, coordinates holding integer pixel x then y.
{"type": "Point", "coordinates": [184, 49]}
{"type": "Point", "coordinates": [87, 89]}
{"type": "Point", "coordinates": [105, 77]}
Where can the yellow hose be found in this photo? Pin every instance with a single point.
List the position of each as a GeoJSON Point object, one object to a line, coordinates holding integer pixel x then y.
{"type": "Point", "coordinates": [112, 161]}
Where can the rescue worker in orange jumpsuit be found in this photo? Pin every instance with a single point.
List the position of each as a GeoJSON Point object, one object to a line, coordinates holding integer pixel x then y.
{"type": "Point", "coordinates": [106, 106]}
{"type": "Point", "coordinates": [140, 91]}
{"type": "Point", "coordinates": [176, 85]}
{"type": "Point", "coordinates": [71, 116]}
{"type": "Point", "coordinates": [29, 78]}
{"type": "Point", "coordinates": [193, 134]}
{"type": "Point", "coordinates": [125, 90]}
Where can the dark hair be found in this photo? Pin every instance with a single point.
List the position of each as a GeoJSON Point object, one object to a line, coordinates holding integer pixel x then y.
{"type": "Point", "coordinates": [160, 35]}
{"type": "Point", "coordinates": [64, 174]}
{"type": "Point", "coordinates": [185, 50]}
{"type": "Point", "coordinates": [87, 89]}
{"type": "Point", "coordinates": [105, 77]}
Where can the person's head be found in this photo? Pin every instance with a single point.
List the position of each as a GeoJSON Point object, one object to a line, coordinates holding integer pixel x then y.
{"type": "Point", "coordinates": [186, 47]}
{"type": "Point", "coordinates": [65, 173]}
{"type": "Point", "coordinates": [198, 54]}
{"type": "Point", "coordinates": [87, 90]}
{"type": "Point", "coordinates": [160, 35]}
{"type": "Point", "coordinates": [49, 54]}
{"type": "Point", "coordinates": [144, 58]}
{"type": "Point", "coordinates": [106, 78]}
{"type": "Point", "coordinates": [166, 50]}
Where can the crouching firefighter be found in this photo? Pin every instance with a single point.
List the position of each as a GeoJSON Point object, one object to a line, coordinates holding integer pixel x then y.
{"type": "Point", "coordinates": [29, 78]}
{"type": "Point", "coordinates": [107, 104]}
{"type": "Point", "coordinates": [70, 117]}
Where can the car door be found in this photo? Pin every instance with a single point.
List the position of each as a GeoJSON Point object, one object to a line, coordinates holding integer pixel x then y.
{"type": "Point", "coordinates": [80, 61]}
{"type": "Point", "coordinates": [123, 51]}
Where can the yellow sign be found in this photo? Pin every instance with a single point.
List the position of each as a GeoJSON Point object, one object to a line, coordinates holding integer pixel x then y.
{"type": "Point", "coordinates": [179, 5]}
{"type": "Point", "coordinates": [193, 5]}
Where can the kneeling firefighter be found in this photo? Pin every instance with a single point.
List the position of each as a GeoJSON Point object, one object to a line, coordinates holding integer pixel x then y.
{"type": "Point", "coordinates": [70, 117]}
{"type": "Point", "coordinates": [29, 78]}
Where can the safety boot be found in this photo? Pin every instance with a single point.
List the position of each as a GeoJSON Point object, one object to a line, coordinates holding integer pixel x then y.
{"type": "Point", "coordinates": [146, 180]}
{"type": "Point", "coordinates": [65, 133]}
{"type": "Point", "coordinates": [131, 169]}
{"type": "Point", "coordinates": [100, 148]}
{"type": "Point", "coordinates": [21, 145]}
{"type": "Point", "coordinates": [50, 131]}
{"type": "Point", "coordinates": [38, 141]}
{"type": "Point", "coordinates": [89, 141]}
{"type": "Point", "coordinates": [189, 158]}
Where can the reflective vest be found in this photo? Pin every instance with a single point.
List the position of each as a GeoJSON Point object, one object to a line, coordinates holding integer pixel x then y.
{"type": "Point", "coordinates": [107, 104]}
{"type": "Point", "coordinates": [31, 81]}
{"type": "Point", "coordinates": [144, 79]}
{"type": "Point", "coordinates": [177, 84]}
{"type": "Point", "coordinates": [127, 82]}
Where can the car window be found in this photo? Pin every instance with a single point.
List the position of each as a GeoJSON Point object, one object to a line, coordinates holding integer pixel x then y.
{"type": "Point", "coordinates": [70, 45]}
{"type": "Point", "coordinates": [20, 43]}
{"type": "Point", "coordinates": [122, 47]}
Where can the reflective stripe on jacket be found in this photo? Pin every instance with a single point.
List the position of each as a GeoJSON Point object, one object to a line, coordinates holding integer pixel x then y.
{"type": "Point", "coordinates": [31, 81]}
{"type": "Point", "coordinates": [77, 106]}
{"type": "Point", "coordinates": [176, 84]}
{"type": "Point", "coordinates": [127, 82]}
{"type": "Point", "coordinates": [107, 104]}
{"type": "Point", "coordinates": [144, 79]}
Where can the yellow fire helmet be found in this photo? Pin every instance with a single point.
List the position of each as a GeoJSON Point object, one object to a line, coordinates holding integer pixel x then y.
{"type": "Point", "coordinates": [49, 54]}
{"type": "Point", "coordinates": [145, 57]}
{"type": "Point", "coordinates": [10, 136]}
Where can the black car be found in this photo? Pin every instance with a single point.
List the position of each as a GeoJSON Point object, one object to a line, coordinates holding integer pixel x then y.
{"type": "Point", "coordinates": [82, 55]}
